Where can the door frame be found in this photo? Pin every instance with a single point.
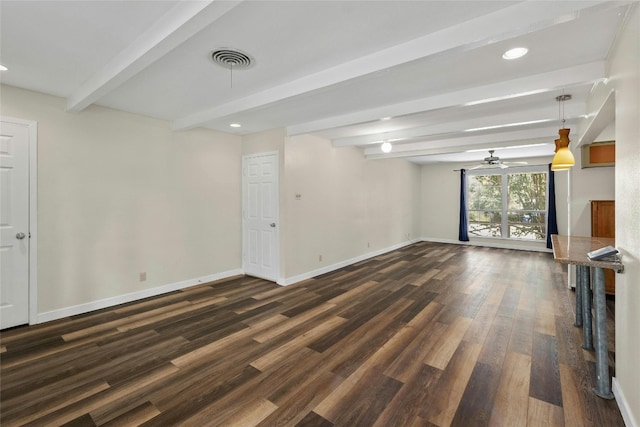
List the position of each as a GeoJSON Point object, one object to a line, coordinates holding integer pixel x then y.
{"type": "Point", "coordinates": [32, 127]}
{"type": "Point", "coordinates": [245, 158]}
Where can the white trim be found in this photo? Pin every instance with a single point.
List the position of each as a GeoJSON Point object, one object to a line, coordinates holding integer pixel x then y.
{"type": "Point", "coordinates": [623, 404]}
{"type": "Point", "coordinates": [342, 264]}
{"type": "Point", "coordinates": [33, 221]}
{"type": "Point", "coordinates": [572, 277]}
{"type": "Point", "coordinates": [510, 170]}
{"type": "Point", "coordinates": [32, 125]}
{"type": "Point", "coordinates": [122, 299]}
{"type": "Point", "coordinates": [498, 244]}
{"type": "Point", "coordinates": [504, 174]}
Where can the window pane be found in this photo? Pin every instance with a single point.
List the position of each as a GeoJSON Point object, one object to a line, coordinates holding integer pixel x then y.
{"type": "Point", "coordinates": [485, 192]}
{"type": "Point", "coordinates": [484, 229]}
{"type": "Point", "coordinates": [485, 216]}
{"type": "Point", "coordinates": [527, 231]}
{"type": "Point", "coordinates": [527, 225]}
{"type": "Point", "coordinates": [527, 217]}
{"type": "Point", "coordinates": [527, 191]}
{"type": "Point", "coordinates": [485, 205]}
{"type": "Point", "coordinates": [524, 195]}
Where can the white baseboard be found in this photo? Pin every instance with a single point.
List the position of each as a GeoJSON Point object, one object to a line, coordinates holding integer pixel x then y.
{"type": "Point", "coordinates": [122, 299]}
{"type": "Point", "coordinates": [146, 293]}
{"type": "Point", "coordinates": [342, 264]}
{"type": "Point", "coordinates": [623, 405]}
{"type": "Point", "coordinates": [497, 243]}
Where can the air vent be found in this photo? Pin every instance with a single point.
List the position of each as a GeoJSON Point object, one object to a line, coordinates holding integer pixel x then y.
{"type": "Point", "coordinates": [232, 59]}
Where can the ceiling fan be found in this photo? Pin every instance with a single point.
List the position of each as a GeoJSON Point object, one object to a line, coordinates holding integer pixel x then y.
{"type": "Point", "coordinates": [494, 161]}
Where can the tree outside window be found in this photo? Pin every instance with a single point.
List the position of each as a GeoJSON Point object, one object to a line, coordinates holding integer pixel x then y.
{"type": "Point", "coordinates": [509, 205]}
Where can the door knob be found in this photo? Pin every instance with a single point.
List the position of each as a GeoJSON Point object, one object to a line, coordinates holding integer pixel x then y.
{"type": "Point", "coordinates": [273, 224]}
{"type": "Point", "coordinates": [20, 236]}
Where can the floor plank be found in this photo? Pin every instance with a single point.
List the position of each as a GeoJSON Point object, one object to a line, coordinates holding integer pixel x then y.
{"type": "Point", "coordinates": [512, 398]}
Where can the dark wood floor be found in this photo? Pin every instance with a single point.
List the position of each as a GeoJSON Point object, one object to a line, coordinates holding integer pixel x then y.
{"type": "Point", "coordinates": [432, 334]}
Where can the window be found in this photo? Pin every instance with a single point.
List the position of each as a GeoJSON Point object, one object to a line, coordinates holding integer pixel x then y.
{"type": "Point", "coordinates": [508, 203]}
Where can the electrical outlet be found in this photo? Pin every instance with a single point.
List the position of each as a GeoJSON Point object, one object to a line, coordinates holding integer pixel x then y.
{"type": "Point", "coordinates": [143, 276]}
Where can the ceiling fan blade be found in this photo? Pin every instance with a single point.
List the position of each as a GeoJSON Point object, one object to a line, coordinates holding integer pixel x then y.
{"type": "Point", "coordinates": [493, 162]}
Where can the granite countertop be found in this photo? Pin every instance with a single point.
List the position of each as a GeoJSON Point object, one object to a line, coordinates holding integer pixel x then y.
{"type": "Point", "coordinates": [574, 249]}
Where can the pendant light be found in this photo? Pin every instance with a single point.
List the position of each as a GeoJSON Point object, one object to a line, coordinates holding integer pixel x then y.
{"type": "Point", "coordinates": [563, 159]}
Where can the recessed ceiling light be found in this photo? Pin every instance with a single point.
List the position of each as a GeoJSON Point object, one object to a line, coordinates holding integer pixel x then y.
{"type": "Point", "coordinates": [235, 125]}
{"type": "Point", "coordinates": [386, 147]}
{"type": "Point", "coordinates": [385, 118]}
{"type": "Point", "coordinates": [3, 68]}
{"type": "Point", "coordinates": [516, 52]}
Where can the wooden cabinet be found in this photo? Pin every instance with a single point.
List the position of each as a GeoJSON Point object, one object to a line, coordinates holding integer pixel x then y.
{"type": "Point", "coordinates": [603, 224]}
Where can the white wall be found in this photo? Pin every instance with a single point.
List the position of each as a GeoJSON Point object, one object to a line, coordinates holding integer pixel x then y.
{"type": "Point", "coordinates": [348, 206]}
{"type": "Point", "coordinates": [440, 206]}
{"type": "Point", "coordinates": [261, 142]}
{"type": "Point", "coordinates": [624, 74]}
{"type": "Point", "coordinates": [589, 184]}
{"type": "Point", "coordinates": [120, 194]}
{"type": "Point", "coordinates": [440, 202]}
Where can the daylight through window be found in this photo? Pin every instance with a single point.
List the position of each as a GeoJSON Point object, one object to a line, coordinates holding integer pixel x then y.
{"type": "Point", "coordinates": [508, 203]}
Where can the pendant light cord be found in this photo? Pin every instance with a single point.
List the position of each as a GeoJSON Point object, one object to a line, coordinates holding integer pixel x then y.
{"type": "Point", "coordinates": [559, 116]}
{"type": "Point", "coordinates": [561, 108]}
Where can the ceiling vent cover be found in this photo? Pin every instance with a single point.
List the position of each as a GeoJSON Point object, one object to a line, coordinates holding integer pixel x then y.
{"type": "Point", "coordinates": [232, 59]}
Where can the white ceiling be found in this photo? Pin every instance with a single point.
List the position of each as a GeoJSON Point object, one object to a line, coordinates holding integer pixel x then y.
{"type": "Point", "coordinates": [331, 68]}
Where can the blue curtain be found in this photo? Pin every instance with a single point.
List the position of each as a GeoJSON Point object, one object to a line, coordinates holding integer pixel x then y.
{"type": "Point", "coordinates": [463, 234]}
{"type": "Point", "coordinates": [552, 217]}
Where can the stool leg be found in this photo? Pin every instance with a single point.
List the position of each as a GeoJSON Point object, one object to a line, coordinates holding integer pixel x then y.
{"type": "Point", "coordinates": [578, 322]}
{"type": "Point", "coordinates": [587, 328]}
{"type": "Point", "coordinates": [603, 387]}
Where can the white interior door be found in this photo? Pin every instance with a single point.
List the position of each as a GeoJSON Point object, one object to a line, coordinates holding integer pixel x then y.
{"type": "Point", "coordinates": [14, 224]}
{"type": "Point", "coordinates": [260, 197]}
